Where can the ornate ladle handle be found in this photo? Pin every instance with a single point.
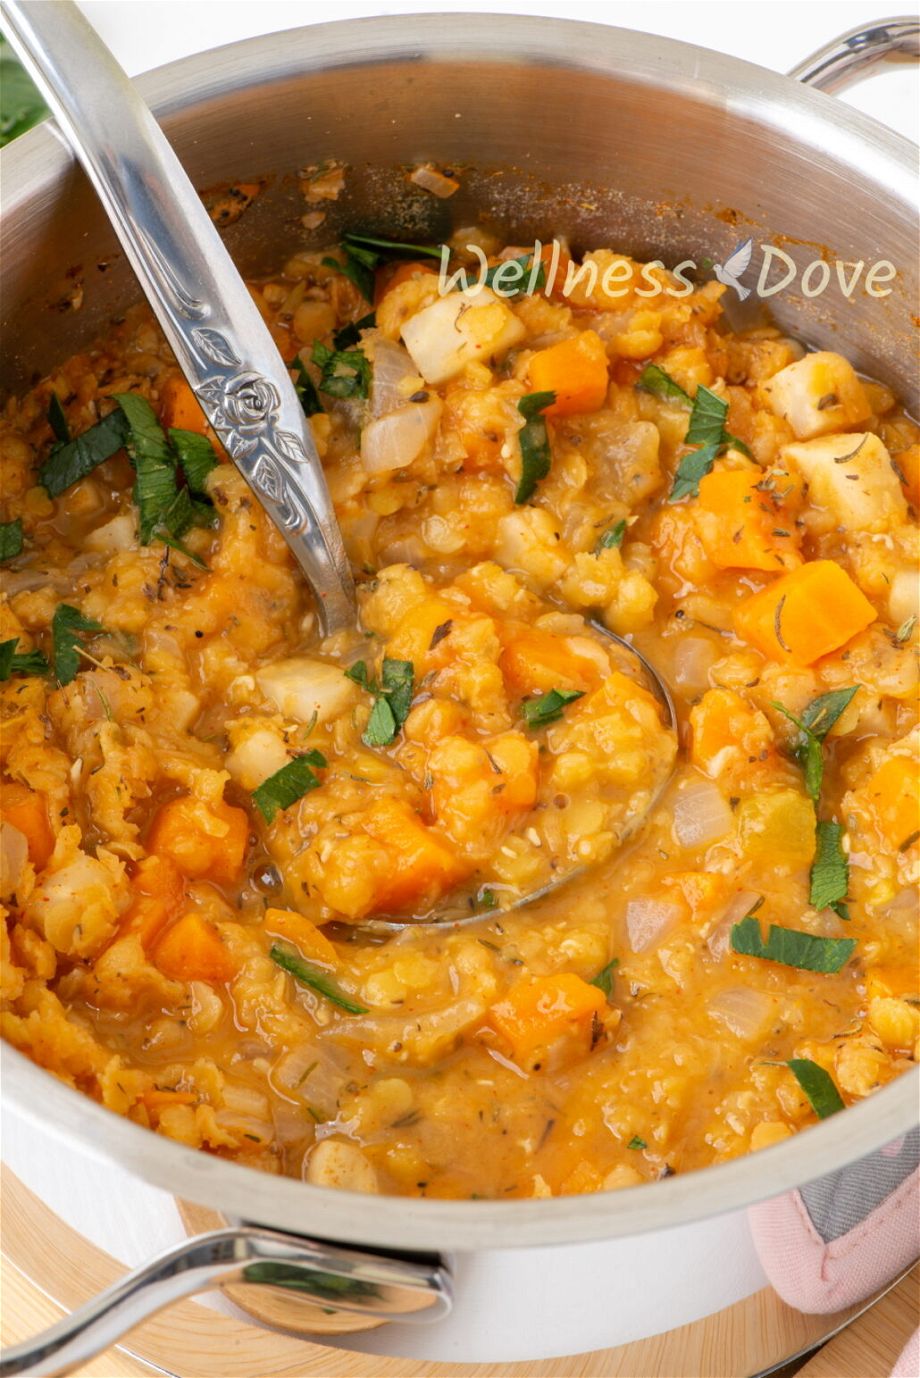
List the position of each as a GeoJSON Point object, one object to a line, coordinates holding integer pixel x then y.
{"type": "Point", "coordinates": [221, 342]}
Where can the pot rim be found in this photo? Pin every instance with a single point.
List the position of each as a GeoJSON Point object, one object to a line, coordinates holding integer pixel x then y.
{"type": "Point", "coordinates": [31, 165]}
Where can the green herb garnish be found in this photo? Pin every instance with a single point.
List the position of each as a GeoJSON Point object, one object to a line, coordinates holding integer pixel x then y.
{"type": "Point", "coordinates": [196, 458]}
{"type": "Point", "coordinates": [288, 784]}
{"type": "Point", "coordinates": [358, 266]}
{"type": "Point", "coordinates": [536, 456]}
{"type": "Point", "coordinates": [68, 463]}
{"type": "Point", "coordinates": [154, 464]}
{"type": "Point", "coordinates": [818, 1086]}
{"type": "Point", "coordinates": [604, 978]}
{"type": "Point", "coordinates": [67, 627]}
{"type": "Point", "coordinates": [513, 283]}
{"type": "Point", "coordinates": [816, 721]}
{"type": "Point", "coordinates": [548, 707]}
{"type": "Point", "coordinates": [690, 470]}
{"type": "Point", "coordinates": [305, 388]}
{"type": "Point", "coordinates": [612, 538]}
{"type": "Point", "coordinates": [655, 380]}
{"type": "Point", "coordinates": [391, 248]}
{"type": "Point", "coordinates": [790, 947]}
{"type": "Point", "coordinates": [636, 1142]}
{"type": "Point", "coordinates": [21, 106]}
{"type": "Point", "coordinates": [392, 698]}
{"type": "Point", "coordinates": [830, 874]}
{"type": "Point", "coordinates": [350, 334]}
{"type": "Point", "coordinates": [309, 975]}
{"type": "Point", "coordinates": [25, 663]}
{"type": "Point", "coordinates": [486, 899]}
{"type": "Point", "coordinates": [344, 373]}
{"type": "Point", "coordinates": [10, 539]}
{"type": "Point", "coordinates": [58, 421]}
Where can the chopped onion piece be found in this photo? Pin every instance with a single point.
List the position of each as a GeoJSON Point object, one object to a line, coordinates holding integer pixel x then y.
{"type": "Point", "coordinates": [701, 814]}
{"type": "Point", "coordinates": [736, 909]}
{"type": "Point", "coordinates": [392, 366]}
{"type": "Point", "coordinates": [746, 1012]}
{"type": "Point", "coordinates": [647, 921]}
{"type": "Point", "coordinates": [429, 179]}
{"type": "Point", "coordinates": [694, 657]}
{"type": "Point", "coordinates": [396, 440]}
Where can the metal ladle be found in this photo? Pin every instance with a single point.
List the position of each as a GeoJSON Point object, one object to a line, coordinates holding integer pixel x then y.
{"type": "Point", "coordinates": [204, 308]}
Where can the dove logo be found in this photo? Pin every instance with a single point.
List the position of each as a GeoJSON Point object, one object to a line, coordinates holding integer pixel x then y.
{"type": "Point", "coordinates": [735, 266]}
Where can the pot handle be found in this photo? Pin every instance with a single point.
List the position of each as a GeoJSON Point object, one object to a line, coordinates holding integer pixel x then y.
{"type": "Point", "coordinates": [859, 52]}
{"type": "Point", "coordinates": [407, 1287]}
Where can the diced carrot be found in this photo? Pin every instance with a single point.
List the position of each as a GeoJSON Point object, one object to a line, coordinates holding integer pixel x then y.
{"type": "Point", "coordinates": [538, 1013]}
{"type": "Point", "coordinates": [204, 840]}
{"type": "Point", "coordinates": [533, 661]}
{"type": "Point", "coordinates": [287, 923]}
{"type": "Point", "coordinates": [893, 982]}
{"type": "Point", "coordinates": [725, 730]}
{"type": "Point", "coordinates": [413, 636]}
{"type": "Point", "coordinates": [420, 867]}
{"type": "Point", "coordinates": [159, 893]}
{"type": "Point", "coordinates": [739, 526]}
{"type": "Point", "coordinates": [393, 274]}
{"type": "Point", "coordinates": [179, 407]}
{"type": "Point", "coordinates": [907, 467]}
{"type": "Point", "coordinates": [804, 615]}
{"type": "Point", "coordinates": [27, 810]}
{"type": "Point", "coordinates": [191, 950]}
{"type": "Point", "coordinates": [575, 370]}
{"type": "Point", "coordinates": [475, 787]}
{"type": "Point", "coordinates": [893, 798]}
{"type": "Point", "coordinates": [703, 891]}
{"type": "Point", "coordinates": [155, 1099]}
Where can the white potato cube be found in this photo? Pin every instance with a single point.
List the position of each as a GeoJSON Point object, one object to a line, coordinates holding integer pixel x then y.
{"type": "Point", "coordinates": [301, 688]}
{"type": "Point", "coordinates": [852, 478]}
{"type": "Point", "coordinates": [117, 534]}
{"type": "Point", "coordinates": [255, 757]}
{"type": "Point", "coordinates": [529, 544]}
{"type": "Point", "coordinates": [459, 329]}
{"type": "Point", "coordinates": [817, 395]}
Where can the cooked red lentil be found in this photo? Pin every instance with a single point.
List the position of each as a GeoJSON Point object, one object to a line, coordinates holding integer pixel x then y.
{"type": "Point", "coordinates": [204, 803]}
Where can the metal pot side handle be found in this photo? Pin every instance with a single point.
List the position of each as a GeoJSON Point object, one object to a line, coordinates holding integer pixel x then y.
{"type": "Point", "coordinates": [408, 1288]}
{"type": "Point", "coordinates": [860, 53]}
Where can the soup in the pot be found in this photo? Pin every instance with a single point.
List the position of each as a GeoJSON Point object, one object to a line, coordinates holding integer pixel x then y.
{"type": "Point", "coordinates": [208, 809]}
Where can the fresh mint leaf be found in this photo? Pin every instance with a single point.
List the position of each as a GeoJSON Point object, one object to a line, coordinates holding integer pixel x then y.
{"type": "Point", "coordinates": [660, 384]}
{"type": "Point", "coordinates": [612, 538]}
{"type": "Point", "coordinates": [690, 470]}
{"type": "Point", "coordinates": [67, 628]}
{"type": "Point", "coordinates": [604, 978]}
{"type": "Point", "coordinates": [25, 663]}
{"type": "Point", "coordinates": [309, 975]}
{"type": "Point", "coordinates": [196, 458]}
{"type": "Point", "coordinates": [548, 707]}
{"type": "Point", "coordinates": [790, 947]}
{"type": "Point", "coordinates": [533, 438]}
{"type": "Point", "coordinates": [816, 721]}
{"type": "Point", "coordinates": [392, 698]}
{"type": "Point", "coordinates": [10, 540]}
{"type": "Point", "coordinates": [707, 419]}
{"type": "Point", "coordinates": [818, 1085]}
{"type": "Point", "coordinates": [68, 463]}
{"type": "Point", "coordinates": [343, 373]}
{"type": "Point", "coordinates": [58, 421]}
{"type": "Point", "coordinates": [288, 784]}
{"type": "Point", "coordinates": [830, 873]}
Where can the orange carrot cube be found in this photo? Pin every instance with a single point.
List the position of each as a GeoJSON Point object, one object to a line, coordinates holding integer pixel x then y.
{"type": "Point", "coordinates": [205, 840]}
{"type": "Point", "coordinates": [191, 949]}
{"type": "Point", "coordinates": [575, 370]}
{"type": "Point", "coordinates": [27, 810]}
{"type": "Point", "coordinates": [738, 524]}
{"type": "Point", "coordinates": [539, 1014]}
{"type": "Point", "coordinates": [804, 615]}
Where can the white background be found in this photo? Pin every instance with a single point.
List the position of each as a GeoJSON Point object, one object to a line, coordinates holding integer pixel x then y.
{"type": "Point", "coordinates": [775, 33]}
{"type": "Point", "coordinates": [511, 1305]}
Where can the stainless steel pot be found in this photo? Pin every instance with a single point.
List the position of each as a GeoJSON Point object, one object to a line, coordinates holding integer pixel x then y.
{"type": "Point", "coordinates": [595, 133]}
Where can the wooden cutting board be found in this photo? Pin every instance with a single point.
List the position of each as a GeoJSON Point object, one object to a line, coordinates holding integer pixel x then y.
{"type": "Point", "coordinates": [47, 1269]}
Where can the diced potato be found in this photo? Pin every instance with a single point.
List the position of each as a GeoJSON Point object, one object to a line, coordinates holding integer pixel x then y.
{"type": "Point", "coordinates": [817, 395]}
{"type": "Point", "coordinates": [304, 688]}
{"type": "Point", "coordinates": [852, 477]}
{"type": "Point", "coordinates": [804, 615]}
{"type": "Point", "coordinates": [256, 753]}
{"type": "Point", "coordinates": [528, 542]}
{"type": "Point", "coordinates": [459, 329]}
{"type": "Point", "coordinates": [117, 534]}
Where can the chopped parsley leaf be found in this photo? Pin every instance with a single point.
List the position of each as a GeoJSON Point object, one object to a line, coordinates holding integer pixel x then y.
{"type": "Point", "coordinates": [305, 388]}
{"type": "Point", "coordinates": [516, 276]}
{"type": "Point", "coordinates": [288, 784]}
{"type": "Point", "coordinates": [196, 458]}
{"type": "Point", "coordinates": [604, 978]}
{"type": "Point", "coordinates": [344, 372]}
{"type": "Point", "coordinates": [68, 463]}
{"type": "Point", "coordinates": [635, 1142]}
{"type": "Point", "coordinates": [350, 334]}
{"type": "Point", "coordinates": [612, 538]}
{"type": "Point", "coordinates": [392, 698]}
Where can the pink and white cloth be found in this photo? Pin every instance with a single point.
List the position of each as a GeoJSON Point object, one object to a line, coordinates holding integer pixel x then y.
{"type": "Point", "coordinates": [834, 1242]}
